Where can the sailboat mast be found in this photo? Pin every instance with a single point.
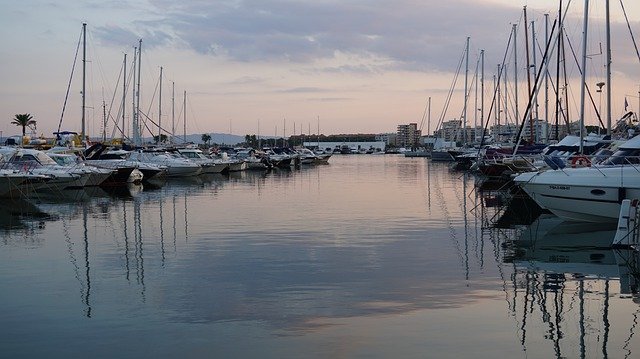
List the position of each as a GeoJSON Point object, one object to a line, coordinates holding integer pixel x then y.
{"type": "Point", "coordinates": [318, 137]}
{"type": "Point", "coordinates": [558, 99]}
{"type": "Point", "coordinates": [466, 86]}
{"type": "Point", "coordinates": [136, 123]}
{"type": "Point", "coordinates": [506, 94]}
{"type": "Point", "coordinates": [124, 92]}
{"type": "Point", "coordinates": [526, 38]}
{"type": "Point", "coordinates": [133, 95]}
{"type": "Point", "coordinates": [481, 87]}
{"type": "Point", "coordinates": [104, 121]}
{"type": "Point", "coordinates": [475, 104]}
{"type": "Point", "coordinates": [584, 72]}
{"type": "Point", "coordinates": [499, 96]}
{"type": "Point", "coordinates": [608, 26]}
{"type": "Point", "coordinates": [84, 80]}
{"type": "Point", "coordinates": [429, 118]}
{"type": "Point", "coordinates": [173, 110]}
{"type": "Point", "coordinates": [515, 70]}
{"type": "Point", "coordinates": [546, 79]}
{"type": "Point", "coordinates": [184, 125]}
{"type": "Point", "coordinates": [534, 66]}
{"type": "Point", "coordinates": [160, 108]}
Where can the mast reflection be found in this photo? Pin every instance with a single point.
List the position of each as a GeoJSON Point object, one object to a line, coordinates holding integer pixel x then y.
{"type": "Point", "coordinates": [562, 269]}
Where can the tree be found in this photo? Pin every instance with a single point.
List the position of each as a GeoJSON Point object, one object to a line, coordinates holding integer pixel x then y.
{"type": "Point", "coordinates": [162, 138]}
{"type": "Point", "coordinates": [206, 138]}
{"type": "Point", "coordinates": [23, 120]}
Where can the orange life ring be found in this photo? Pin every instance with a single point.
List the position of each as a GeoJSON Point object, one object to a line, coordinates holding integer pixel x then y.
{"type": "Point", "coordinates": [580, 161]}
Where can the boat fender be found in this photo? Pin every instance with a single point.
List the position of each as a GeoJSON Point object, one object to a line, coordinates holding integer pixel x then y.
{"type": "Point", "coordinates": [580, 161]}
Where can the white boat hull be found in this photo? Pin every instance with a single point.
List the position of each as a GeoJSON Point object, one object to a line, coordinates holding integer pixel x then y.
{"type": "Point", "coordinates": [585, 194]}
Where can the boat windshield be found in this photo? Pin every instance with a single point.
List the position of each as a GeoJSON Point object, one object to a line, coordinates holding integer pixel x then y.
{"type": "Point", "coordinates": [624, 156]}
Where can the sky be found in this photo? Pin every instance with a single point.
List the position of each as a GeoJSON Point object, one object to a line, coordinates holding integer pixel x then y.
{"type": "Point", "coordinates": [272, 67]}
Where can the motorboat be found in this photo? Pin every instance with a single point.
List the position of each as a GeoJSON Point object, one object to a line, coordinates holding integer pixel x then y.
{"type": "Point", "coordinates": [96, 175]}
{"type": "Point", "coordinates": [592, 193]}
{"type": "Point", "coordinates": [209, 165]}
{"type": "Point", "coordinates": [126, 171]}
{"type": "Point", "coordinates": [16, 184]}
{"type": "Point", "coordinates": [39, 163]}
{"type": "Point", "coordinates": [254, 160]}
{"type": "Point", "coordinates": [175, 166]}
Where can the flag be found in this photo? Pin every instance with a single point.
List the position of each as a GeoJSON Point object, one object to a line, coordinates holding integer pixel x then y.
{"type": "Point", "coordinates": [626, 104]}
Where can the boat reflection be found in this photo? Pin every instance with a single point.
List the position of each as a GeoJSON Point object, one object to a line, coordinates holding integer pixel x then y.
{"type": "Point", "coordinates": [565, 278]}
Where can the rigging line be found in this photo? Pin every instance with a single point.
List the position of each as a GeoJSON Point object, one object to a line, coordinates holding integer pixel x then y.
{"type": "Point", "coordinates": [593, 103]}
{"type": "Point", "coordinates": [122, 108]}
{"type": "Point", "coordinates": [66, 96]}
{"type": "Point", "coordinates": [450, 93]}
{"type": "Point", "coordinates": [109, 115]}
{"type": "Point", "coordinates": [630, 32]}
{"type": "Point", "coordinates": [493, 100]}
{"type": "Point", "coordinates": [424, 114]}
{"type": "Point", "coordinates": [155, 90]}
{"type": "Point", "coordinates": [545, 59]}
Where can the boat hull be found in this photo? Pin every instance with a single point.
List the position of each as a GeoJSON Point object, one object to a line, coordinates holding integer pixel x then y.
{"type": "Point", "coordinates": [586, 194]}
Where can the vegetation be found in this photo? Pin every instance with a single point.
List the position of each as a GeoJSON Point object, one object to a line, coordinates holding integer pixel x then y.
{"type": "Point", "coordinates": [24, 120]}
{"type": "Point", "coordinates": [206, 138]}
{"type": "Point", "coordinates": [161, 139]}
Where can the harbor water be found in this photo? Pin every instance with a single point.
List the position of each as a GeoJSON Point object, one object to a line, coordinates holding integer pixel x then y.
{"type": "Point", "coordinates": [375, 256]}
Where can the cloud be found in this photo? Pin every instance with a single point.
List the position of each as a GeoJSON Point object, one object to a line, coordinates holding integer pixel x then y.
{"type": "Point", "coordinates": [410, 34]}
{"type": "Point", "coordinates": [381, 35]}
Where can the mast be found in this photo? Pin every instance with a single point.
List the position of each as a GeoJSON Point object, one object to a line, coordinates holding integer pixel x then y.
{"type": "Point", "coordinates": [584, 72]}
{"type": "Point", "coordinates": [560, 30]}
{"type": "Point", "coordinates": [466, 84]}
{"type": "Point", "coordinates": [184, 125]}
{"type": "Point", "coordinates": [133, 96]}
{"type": "Point", "coordinates": [104, 120]}
{"type": "Point", "coordinates": [546, 78]}
{"type": "Point", "coordinates": [475, 105]}
{"type": "Point", "coordinates": [499, 96]}
{"type": "Point", "coordinates": [160, 108]}
{"type": "Point", "coordinates": [526, 37]}
{"type": "Point", "coordinates": [481, 88]}
{"type": "Point", "coordinates": [515, 70]}
{"type": "Point", "coordinates": [534, 65]}
{"type": "Point", "coordinates": [429, 118]}
{"type": "Point", "coordinates": [136, 130]}
{"type": "Point", "coordinates": [173, 110]}
{"type": "Point", "coordinates": [506, 95]}
{"type": "Point", "coordinates": [84, 80]}
{"type": "Point", "coordinates": [608, 26]}
{"type": "Point", "coordinates": [124, 91]}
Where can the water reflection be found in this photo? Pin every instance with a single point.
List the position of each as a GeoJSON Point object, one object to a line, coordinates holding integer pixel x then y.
{"type": "Point", "coordinates": [299, 254]}
{"type": "Point", "coordinates": [565, 276]}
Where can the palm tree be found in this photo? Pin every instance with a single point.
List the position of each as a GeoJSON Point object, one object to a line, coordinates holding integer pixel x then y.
{"type": "Point", "coordinates": [23, 120]}
{"type": "Point", "coordinates": [206, 138]}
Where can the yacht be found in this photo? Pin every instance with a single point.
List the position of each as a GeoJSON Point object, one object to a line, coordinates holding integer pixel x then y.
{"type": "Point", "coordinates": [15, 184]}
{"type": "Point", "coordinates": [39, 163]}
{"type": "Point", "coordinates": [592, 193]}
{"type": "Point", "coordinates": [96, 175]}
{"type": "Point", "coordinates": [208, 165]}
{"type": "Point", "coordinates": [176, 166]}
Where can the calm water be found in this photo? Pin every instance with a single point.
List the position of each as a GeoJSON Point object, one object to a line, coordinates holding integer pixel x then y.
{"type": "Point", "coordinates": [370, 256]}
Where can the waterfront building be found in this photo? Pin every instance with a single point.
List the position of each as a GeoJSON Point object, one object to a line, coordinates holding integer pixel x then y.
{"type": "Point", "coordinates": [388, 138]}
{"type": "Point", "coordinates": [355, 146]}
{"type": "Point", "coordinates": [408, 135]}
